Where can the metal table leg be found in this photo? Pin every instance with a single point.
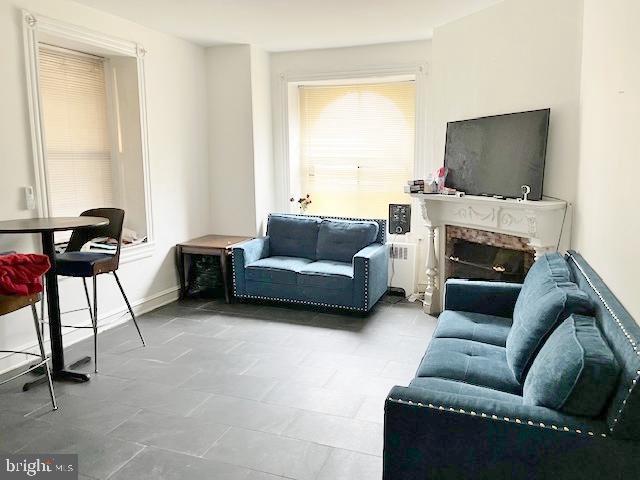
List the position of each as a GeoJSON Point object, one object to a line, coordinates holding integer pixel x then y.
{"type": "Point", "coordinates": [55, 327]}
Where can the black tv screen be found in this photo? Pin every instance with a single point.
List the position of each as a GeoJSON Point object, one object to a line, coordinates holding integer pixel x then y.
{"type": "Point", "coordinates": [497, 155]}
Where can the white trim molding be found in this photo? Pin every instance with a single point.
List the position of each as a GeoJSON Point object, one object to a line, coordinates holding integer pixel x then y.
{"type": "Point", "coordinates": [416, 72]}
{"type": "Point", "coordinates": [35, 111]}
{"type": "Point", "coordinates": [38, 28]}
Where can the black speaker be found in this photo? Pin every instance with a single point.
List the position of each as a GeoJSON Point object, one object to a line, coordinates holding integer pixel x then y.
{"type": "Point", "coordinates": [399, 218]}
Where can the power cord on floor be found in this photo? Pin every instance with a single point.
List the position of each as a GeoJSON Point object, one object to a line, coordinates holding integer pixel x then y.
{"type": "Point", "coordinates": [393, 258]}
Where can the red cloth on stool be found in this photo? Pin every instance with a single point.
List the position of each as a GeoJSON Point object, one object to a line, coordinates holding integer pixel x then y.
{"type": "Point", "coordinates": [21, 274]}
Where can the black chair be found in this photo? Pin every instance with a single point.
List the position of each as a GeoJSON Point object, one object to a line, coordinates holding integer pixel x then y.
{"type": "Point", "coordinates": [12, 303]}
{"type": "Point", "coordinates": [75, 263]}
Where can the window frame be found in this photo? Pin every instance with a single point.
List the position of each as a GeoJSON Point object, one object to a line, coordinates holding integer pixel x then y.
{"type": "Point", "coordinates": [358, 180]}
{"type": "Point", "coordinates": [37, 29]}
{"type": "Point", "coordinates": [289, 135]}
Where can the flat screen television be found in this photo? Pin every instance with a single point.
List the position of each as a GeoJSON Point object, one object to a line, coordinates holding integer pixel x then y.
{"type": "Point", "coordinates": [497, 155]}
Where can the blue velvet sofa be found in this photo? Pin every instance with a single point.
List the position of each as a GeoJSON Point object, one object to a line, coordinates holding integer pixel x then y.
{"type": "Point", "coordinates": [322, 261]}
{"type": "Point", "coordinates": [479, 409]}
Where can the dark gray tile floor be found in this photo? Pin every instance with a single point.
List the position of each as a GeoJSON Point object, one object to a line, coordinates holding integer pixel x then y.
{"type": "Point", "coordinates": [222, 391]}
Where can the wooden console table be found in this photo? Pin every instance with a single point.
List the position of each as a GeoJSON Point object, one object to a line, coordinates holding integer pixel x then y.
{"type": "Point", "coordinates": [215, 245]}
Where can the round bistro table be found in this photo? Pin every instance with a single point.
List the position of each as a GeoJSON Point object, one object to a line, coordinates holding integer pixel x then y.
{"type": "Point", "coordinates": [46, 227]}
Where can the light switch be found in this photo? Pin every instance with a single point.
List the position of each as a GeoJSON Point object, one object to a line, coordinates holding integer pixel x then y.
{"type": "Point", "coordinates": [29, 198]}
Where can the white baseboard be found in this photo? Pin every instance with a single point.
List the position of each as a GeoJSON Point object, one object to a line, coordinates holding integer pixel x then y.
{"type": "Point", "coordinates": [110, 320]}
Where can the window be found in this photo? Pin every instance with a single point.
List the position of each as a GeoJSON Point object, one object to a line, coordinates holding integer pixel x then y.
{"type": "Point", "coordinates": [77, 138]}
{"type": "Point", "coordinates": [356, 146]}
{"type": "Point", "coordinates": [87, 109]}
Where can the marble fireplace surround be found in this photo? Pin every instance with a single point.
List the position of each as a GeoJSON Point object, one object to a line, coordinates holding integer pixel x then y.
{"type": "Point", "coordinates": [543, 224]}
{"type": "Point", "coordinates": [484, 237]}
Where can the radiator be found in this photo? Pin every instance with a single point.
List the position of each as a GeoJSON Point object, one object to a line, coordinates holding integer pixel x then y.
{"type": "Point", "coordinates": [402, 267]}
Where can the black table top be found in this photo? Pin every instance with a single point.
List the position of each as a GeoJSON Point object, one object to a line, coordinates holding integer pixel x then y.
{"type": "Point", "coordinates": [51, 224]}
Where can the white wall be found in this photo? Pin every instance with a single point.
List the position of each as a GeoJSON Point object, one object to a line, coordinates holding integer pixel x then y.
{"type": "Point", "coordinates": [517, 55]}
{"type": "Point", "coordinates": [176, 93]}
{"type": "Point", "coordinates": [240, 137]}
{"type": "Point", "coordinates": [231, 140]}
{"type": "Point", "coordinates": [607, 223]}
{"type": "Point", "coordinates": [262, 136]}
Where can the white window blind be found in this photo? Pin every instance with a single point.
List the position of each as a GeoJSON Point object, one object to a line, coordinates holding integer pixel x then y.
{"type": "Point", "coordinates": [78, 144]}
{"type": "Point", "coordinates": [356, 146]}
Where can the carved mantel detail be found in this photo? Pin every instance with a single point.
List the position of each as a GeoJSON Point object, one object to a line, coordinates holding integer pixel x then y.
{"type": "Point", "coordinates": [544, 224]}
{"type": "Point", "coordinates": [508, 219]}
{"type": "Point", "coordinates": [472, 213]}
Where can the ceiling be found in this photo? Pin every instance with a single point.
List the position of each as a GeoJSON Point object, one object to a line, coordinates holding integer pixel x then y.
{"type": "Point", "coordinates": [279, 25]}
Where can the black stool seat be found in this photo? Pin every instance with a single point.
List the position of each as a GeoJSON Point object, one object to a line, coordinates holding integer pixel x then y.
{"type": "Point", "coordinates": [83, 264]}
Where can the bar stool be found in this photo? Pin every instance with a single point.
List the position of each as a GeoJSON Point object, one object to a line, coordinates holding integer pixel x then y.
{"type": "Point", "coordinates": [75, 263]}
{"type": "Point", "coordinates": [12, 303]}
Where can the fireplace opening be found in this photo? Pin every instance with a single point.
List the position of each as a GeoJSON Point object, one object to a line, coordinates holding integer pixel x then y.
{"type": "Point", "coordinates": [479, 255]}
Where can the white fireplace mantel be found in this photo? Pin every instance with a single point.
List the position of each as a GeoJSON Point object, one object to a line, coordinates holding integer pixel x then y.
{"type": "Point", "coordinates": [544, 224]}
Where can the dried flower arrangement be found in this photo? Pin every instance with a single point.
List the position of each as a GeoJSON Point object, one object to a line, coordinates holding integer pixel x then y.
{"type": "Point", "coordinates": [303, 202]}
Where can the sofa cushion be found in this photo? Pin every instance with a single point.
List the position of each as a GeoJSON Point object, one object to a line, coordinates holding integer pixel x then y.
{"type": "Point", "coordinates": [460, 388]}
{"type": "Point", "coordinates": [547, 297]}
{"type": "Point", "coordinates": [575, 370]}
{"type": "Point", "coordinates": [473, 326]}
{"type": "Point", "coordinates": [293, 236]}
{"type": "Point", "coordinates": [471, 362]}
{"type": "Point", "coordinates": [326, 274]}
{"type": "Point", "coordinates": [340, 240]}
{"type": "Point", "coordinates": [282, 270]}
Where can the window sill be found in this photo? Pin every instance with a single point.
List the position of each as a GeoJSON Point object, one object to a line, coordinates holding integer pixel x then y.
{"type": "Point", "coordinates": [136, 252]}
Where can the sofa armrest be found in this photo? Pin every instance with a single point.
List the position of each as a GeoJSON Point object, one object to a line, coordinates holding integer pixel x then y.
{"type": "Point", "coordinates": [436, 435]}
{"type": "Point", "coordinates": [490, 298]}
{"type": "Point", "coordinates": [252, 250]}
{"type": "Point", "coordinates": [242, 255]}
{"type": "Point", "coordinates": [371, 274]}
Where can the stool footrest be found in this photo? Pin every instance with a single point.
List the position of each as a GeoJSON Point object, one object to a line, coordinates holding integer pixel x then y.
{"type": "Point", "coordinates": [32, 367]}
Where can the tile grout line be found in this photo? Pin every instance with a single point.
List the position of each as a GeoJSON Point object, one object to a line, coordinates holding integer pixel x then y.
{"type": "Point", "coordinates": [188, 414]}
{"type": "Point", "coordinates": [215, 442]}
{"type": "Point", "coordinates": [124, 421]}
{"type": "Point", "coordinates": [144, 447]}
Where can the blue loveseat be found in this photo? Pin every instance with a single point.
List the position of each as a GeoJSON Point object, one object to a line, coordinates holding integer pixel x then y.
{"type": "Point", "coordinates": [532, 381]}
{"type": "Point", "coordinates": [323, 261]}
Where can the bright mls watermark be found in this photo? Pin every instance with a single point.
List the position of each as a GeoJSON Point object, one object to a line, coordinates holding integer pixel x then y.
{"type": "Point", "coordinates": [39, 466]}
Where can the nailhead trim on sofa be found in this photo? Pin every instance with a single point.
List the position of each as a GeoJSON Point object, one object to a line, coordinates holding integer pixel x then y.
{"type": "Point", "coordinates": [302, 302]}
{"type": "Point", "coordinates": [494, 417]}
{"type": "Point", "coordinates": [366, 285]}
{"type": "Point", "coordinates": [632, 341]}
